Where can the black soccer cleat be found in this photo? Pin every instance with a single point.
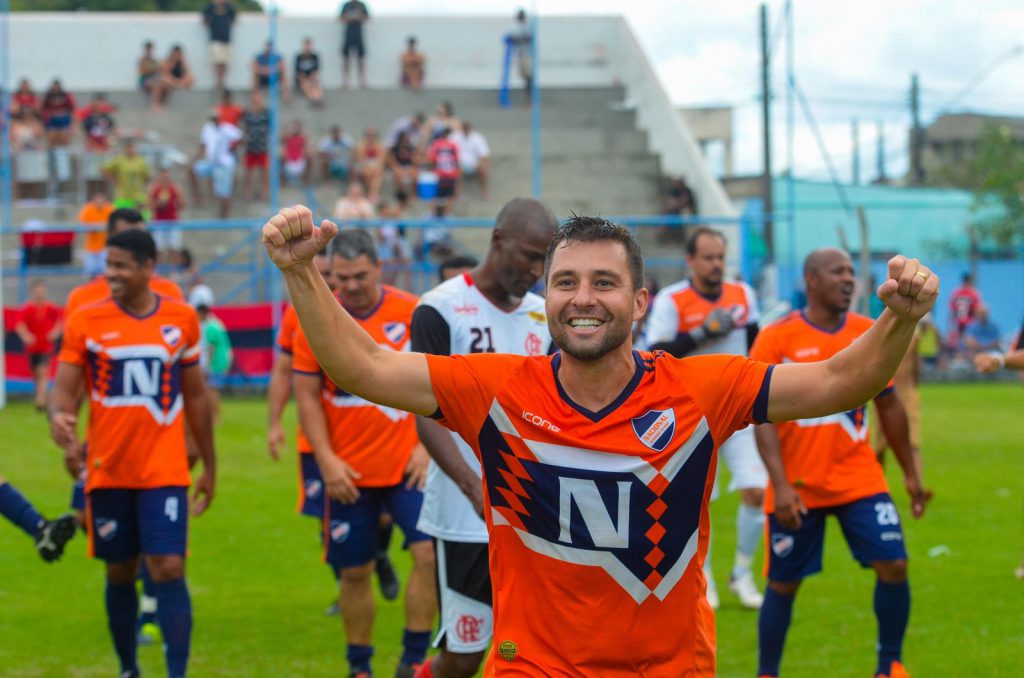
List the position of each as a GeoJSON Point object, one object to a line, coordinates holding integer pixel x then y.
{"type": "Point", "coordinates": [387, 578]}
{"type": "Point", "coordinates": [53, 535]}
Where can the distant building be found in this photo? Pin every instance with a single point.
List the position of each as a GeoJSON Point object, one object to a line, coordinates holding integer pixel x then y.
{"type": "Point", "coordinates": [953, 138]}
{"type": "Point", "coordinates": [711, 127]}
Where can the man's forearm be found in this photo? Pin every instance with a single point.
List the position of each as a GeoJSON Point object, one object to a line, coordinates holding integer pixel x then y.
{"type": "Point", "coordinates": [313, 420]}
{"type": "Point", "coordinates": [199, 419]}
{"type": "Point", "coordinates": [278, 391]}
{"type": "Point", "coordinates": [892, 417]}
{"type": "Point", "coordinates": [771, 452]}
{"type": "Point", "coordinates": [682, 345]}
{"type": "Point", "coordinates": [445, 453]}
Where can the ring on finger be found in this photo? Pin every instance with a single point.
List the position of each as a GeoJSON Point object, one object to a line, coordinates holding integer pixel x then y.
{"type": "Point", "coordinates": [922, 274]}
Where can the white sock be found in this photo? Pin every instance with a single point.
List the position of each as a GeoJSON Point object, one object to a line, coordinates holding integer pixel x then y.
{"type": "Point", "coordinates": [749, 532]}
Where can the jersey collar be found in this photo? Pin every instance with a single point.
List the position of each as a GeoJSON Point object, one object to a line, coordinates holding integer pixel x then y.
{"type": "Point", "coordinates": [842, 323]}
{"type": "Point", "coordinates": [638, 373]}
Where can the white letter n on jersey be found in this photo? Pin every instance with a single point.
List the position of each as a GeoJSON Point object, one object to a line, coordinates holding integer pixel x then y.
{"type": "Point", "coordinates": [142, 377]}
{"type": "Point", "coordinates": [595, 516]}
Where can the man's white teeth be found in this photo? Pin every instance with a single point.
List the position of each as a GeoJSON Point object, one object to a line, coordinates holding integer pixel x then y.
{"type": "Point", "coordinates": [585, 322]}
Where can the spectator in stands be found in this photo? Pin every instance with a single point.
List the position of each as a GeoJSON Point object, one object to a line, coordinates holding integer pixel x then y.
{"type": "Point", "coordinates": [521, 39]}
{"type": "Point", "coordinates": [335, 153]}
{"type": "Point", "coordinates": [98, 124]}
{"type": "Point", "coordinates": [307, 74]}
{"type": "Point", "coordinates": [215, 160]}
{"type": "Point", "coordinates": [166, 200]}
{"type": "Point", "coordinates": [24, 98]}
{"type": "Point", "coordinates": [401, 161]}
{"type": "Point", "coordinates": [228, 110]}
{"type": "Point", "coordinates": [353, 15]}
{"type": "Point", "coordinates": [129, 174]}
{"type": "Point", "coordinates": [929, 343]}
{"type": "Point", "coordinates": [354, 204]}
{"type": "Point", "coordinates": [219, 15]}
{"type": "Point", "coordinates": [266, 65]}
{"type": "Point", "coordinates": [369, 162]}
{"type": "Point", "coordinates": [982, 335]}
{"type": "Point", "coordinates": [187, 275]}
{"type": "Point", "coordinates": [215, 356]}
{"type": "Point", "coordinates": [443, 119]}
{"type": "Point", "coordinates": [96, 211]}
{"type": "Point", "coordinates": [413, 65]}
{"type": "Point", "coordinates": [150, 73]}
{"type": "Point", "coordinates": [411, 125]}
{"type": "Point", "coordinates": [680, 202]}
{"type": "Point", "coordinates": [26, 130]}
{"type": "Point", "coordinates": [256, 122]}
{"type": "Point", "coordinates": [175, 72]}
{"type": "Point", "coordinates": [393, 249]}
{"type": "Point", "coordinates": [455, 265]}
{"type": "Point", "coordinates": [444, 155]}
{"type": "Point", "coordinates": [58, 109]}
{"type": "Point", "coordinates": [963, 306]}
{"type": "Point", "coordinates": [38, 326]}
{"type": "Point", "coordinates": [295, 153]}
{"type": "Point", "coordinates": [474, 156]}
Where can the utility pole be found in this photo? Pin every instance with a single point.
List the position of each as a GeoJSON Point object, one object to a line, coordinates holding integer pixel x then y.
{"type": "Point", "coordinates": [766, 121]}
{"type": "Point", "coordinates": [916, 133]}
{"type": "Point", "coordinates": [880, 155]}
{"type": "Point", "coordinates": [855, 138]}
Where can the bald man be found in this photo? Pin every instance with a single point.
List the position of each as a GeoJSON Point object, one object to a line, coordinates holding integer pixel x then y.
{"type": "Point", "coordinates": [825, 466]}
{"type": "Point", "coordinates": [487, 309]}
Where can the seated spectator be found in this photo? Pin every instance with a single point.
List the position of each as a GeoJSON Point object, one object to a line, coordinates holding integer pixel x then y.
{"type": "Point", "coordinates": [354, 204]}
{"type": "Point", "coordinates": [411, 125]}
{"type": "Point", "coordinates": [401, 162]}
{"type": "Point", "coordinates": [444, 156]}
{"type": "Point", "coordinates": [58, 109]}
{"type": "Point", "coordinates": [176, 73]}
{"type": "Point", "coordinates": [24, 98]}
{"type": "Point", "coordinates": [474, 156]}
{"type": "Point", "coordinates": [335, 153]}
{"type": "Point", "coordinates": [150, 74]}
{"type": "Point", "coordinates": [187, 273]}
{"type": "Point", "coordinates": [369, 162]}
{"type": "Point", "coordinates": [96, 211]}
{"type": "Point", "coordinates": [26, 131]}
{"type": "Point", "coordinates": [393, 249]}
{"type": "Point", "coordinates": [680, 202]}
{"type": "Point", "coordinates": [443, 119]}
{"type": "Point", "coordinates": [413, 65]}
{"type": "Point", "coordinates": [166, 200]}
{"type": "Point", "coordinates": [982, 335]}
{"type": "Point", "coordinates": [129, 174]}
{"type": "Point", "coordinates": [98, 124]}
{"type": "Point", "coordinates": [294, 153]}
{"type": "Point", "coordinates": [256, 122]}
{"type": "Point", "coordinates": [228, 110]}
{"type": "Point", "coordinates": [307, 74]}
{"type": "Point", "coordinates": [215, 160]}
{"type": "Point", "coordinates": [268, 64]}
{"type": "Point", "coordinates": [455, 265]}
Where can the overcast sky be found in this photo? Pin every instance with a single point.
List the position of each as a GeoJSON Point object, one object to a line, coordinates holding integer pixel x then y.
{"type": "Point", "coordinates": [852, 59]}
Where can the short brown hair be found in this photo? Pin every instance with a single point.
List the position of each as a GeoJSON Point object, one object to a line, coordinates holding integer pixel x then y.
{"type": "Point", "coordinates": [596, 229]}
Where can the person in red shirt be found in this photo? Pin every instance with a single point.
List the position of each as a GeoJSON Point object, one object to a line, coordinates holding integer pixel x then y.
{"type": "Point", "coordinates": [597, 462]}
{"type": "Point", "coordinates": [39, 324]}
{"type": "Point", "coordinates": [24, 98]}
{"type": "Point", "coordinates": [228, 110]}
{"type": "Point", "coordinates": [166, 200]}
{"type": "Point", "coordinates": [370, 459]}
{"type": "Point", "coordinates": [963, 305]}
{"type": "Point", "coordinates": [137, 355]}
{"type": "Point", "coordinates": [444, 154]}
{"type": "Point", "coordinates": [825, 465]}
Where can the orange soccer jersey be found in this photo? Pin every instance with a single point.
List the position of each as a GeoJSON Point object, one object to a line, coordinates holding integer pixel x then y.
{"type": "Point", "coordinates": [98, 289]}
{"type": "Point", "coordinates": [828, 460]}
{"type": "Point", "coordinates": [286, 343]}
{"type": "Point", "coordinates": [376, 441]}
{"type": "Point", "coordinates": [133, 369]}
{"type": "Point", "coordinates": [681, 308]}
{"type": "Point", "coordinates": [598, 521]}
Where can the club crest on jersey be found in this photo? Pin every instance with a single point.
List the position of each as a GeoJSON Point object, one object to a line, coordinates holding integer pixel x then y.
{"type": "Point", "coordinates": [538, 317]}
{"type": "Point", "coordinates": [340, 531]}
{"type": "Point", "coordinates": [782, 544]}
{"type": "Point", "coordinates": [395, 332]}
{"type": "Point", "coordinates": [313, 488]}
{"type": "Point", "coordinates": [533, 345]}
{"type": "Point", "coordinates": [656, 428]}
{"type": "Point", "coordinates": [171, 334]}
{"type": "Point", "coordinates": [508, 650]}
{"type": "Point", "coordinates": [106, 528]}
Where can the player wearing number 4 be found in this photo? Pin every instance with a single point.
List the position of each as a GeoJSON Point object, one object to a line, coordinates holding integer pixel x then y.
{"type": "Point", "coordinates": [598, 461]}
{"type": "Point", "coordinates": [825, 466]}
{"type": "Point", "coordinates": [137, 354]}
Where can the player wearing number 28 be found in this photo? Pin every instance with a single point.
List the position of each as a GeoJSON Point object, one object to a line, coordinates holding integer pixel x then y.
{"type": "Point", "coordinates": [597, 462]}
{"type": "Point", "coordinates": [137, 355]}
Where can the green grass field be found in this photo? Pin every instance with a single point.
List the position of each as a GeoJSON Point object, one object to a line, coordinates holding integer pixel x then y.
{"type": "Point", "coordinates": [259, 590]}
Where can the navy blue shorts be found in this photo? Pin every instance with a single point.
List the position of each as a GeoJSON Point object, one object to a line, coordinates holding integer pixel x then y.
{"type": "Point", "coordinates": [124, 523]}
{"type": "Point", "coordinates": [311, 487]}
{"type": "Point", "coordinates": [350, 530]}
{"type": "Point", "coordinates": [871, 526]}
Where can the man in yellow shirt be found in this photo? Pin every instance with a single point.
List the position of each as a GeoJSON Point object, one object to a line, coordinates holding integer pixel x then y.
{"type": "Point", "coordinates": [130, 174]}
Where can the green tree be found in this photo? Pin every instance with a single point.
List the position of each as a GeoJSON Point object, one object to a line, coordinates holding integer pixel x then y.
{"type": "Point", "coordinates": [124, 5]}
{"type": "Point", "coordinates": [997, 179]}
